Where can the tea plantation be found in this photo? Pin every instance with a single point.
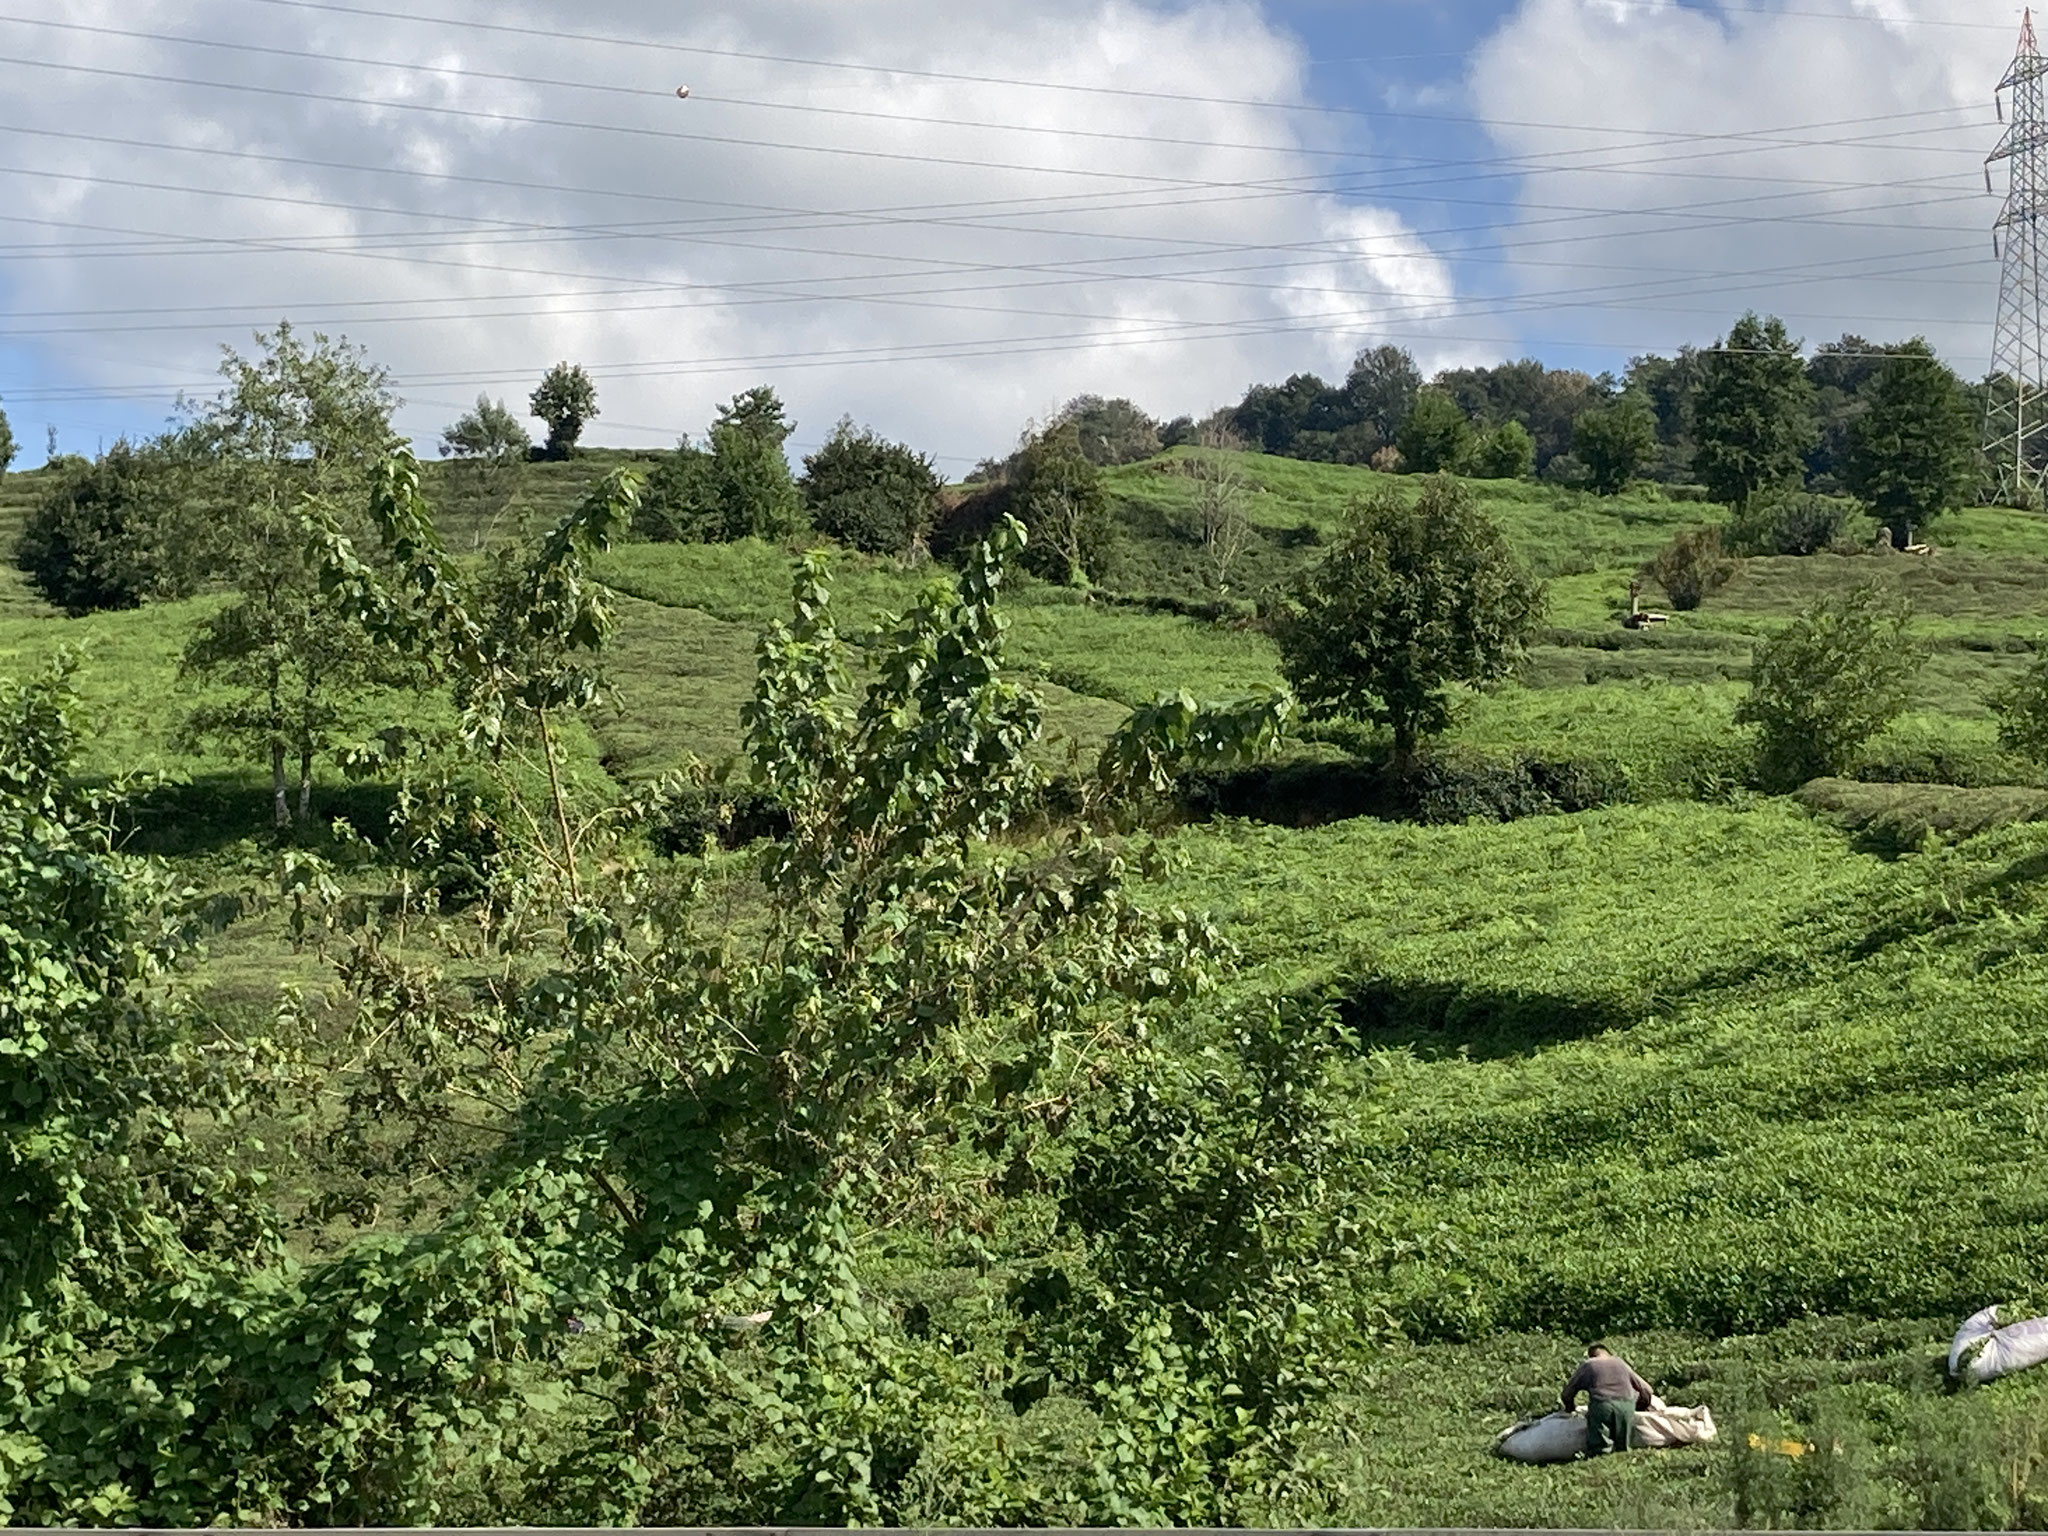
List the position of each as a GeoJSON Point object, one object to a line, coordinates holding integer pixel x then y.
{"type": "Point", "coordinates": [1753, 1087]}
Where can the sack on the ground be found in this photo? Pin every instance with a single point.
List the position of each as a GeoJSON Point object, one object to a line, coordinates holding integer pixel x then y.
{"type": "Point", "coordinates": [1983, 1350]}
{"type": "Point", "coordinates": [1560, 1436]}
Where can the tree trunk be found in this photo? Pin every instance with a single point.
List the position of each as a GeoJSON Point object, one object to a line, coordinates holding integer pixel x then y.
{"type": "Point", "coordinates": [1404, 749]}
{"type": "Point", "coordinates": [275, 680]}
{"type": "Point", "coordinates": [306, 745]}
{"type": "Point", "coordinates": [283, 817]}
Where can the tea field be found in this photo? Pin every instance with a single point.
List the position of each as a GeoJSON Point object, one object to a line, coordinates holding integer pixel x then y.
{"type": "Point", "coordinates": [1753, 1087]}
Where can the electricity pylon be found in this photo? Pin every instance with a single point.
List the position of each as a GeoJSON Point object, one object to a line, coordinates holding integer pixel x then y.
{"type": "Point", "coordinates": [2016, 423]}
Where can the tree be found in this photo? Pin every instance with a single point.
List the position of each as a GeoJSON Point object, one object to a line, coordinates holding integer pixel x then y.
{"type": "Point", "coordinates": [2022, 710]}
{"type": "Point", "coordinates": [489, 449]}
{"type": "Point", "coordinates": [1615, 442]}
{"type": "Point", "coordinates": [1436, 434]}
{"type": "Point", "coordinates": [737, 487]}
{"type": "Point", "coordinates": [750, 480]}
{"type": "Point", "coordinates": [295, 433]}
{"type": "Point", "coordinates": [110, 534]}
{"type": "Point", "coordinates": [1110, 432]}
{"type": "Point", "coordinates": [1221, 494]}
{"type": "Point", "coordinates": [1273, 415]}
{"type": "Point", "coordinates": [566, 400]}
{"type": "Point", "coordinates": [1913, 452]}
{"type": "Point", "coordinates": [1508, 452]}
{"type": "Point", "coordinates": [1057, 494]}
{"type": "Point", "coordinates": [872, 494]}
{"type": "Point", "coordinates": [1833, 678]}
{"type": "Point", "coordinates": [6, 443]}
{"type": "Point", "coordinates": [1412, 601]}
{"type": "Point", "coordinates": [1753, 414]}
{"type": "Point", "coordinates": [1544, 400]}
{"type": "Point", "coordinates": [1691, 568]}
{"type": "Point", "coordinates": [487, 431]}
{"type": "Point", "coordinates": [1381, 387]}
{"type": "Point", "coordinates": [1671, 385]}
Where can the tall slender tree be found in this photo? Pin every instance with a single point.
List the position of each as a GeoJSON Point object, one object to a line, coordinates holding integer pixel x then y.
{"type": "Point", "coordinates": [295, 432]}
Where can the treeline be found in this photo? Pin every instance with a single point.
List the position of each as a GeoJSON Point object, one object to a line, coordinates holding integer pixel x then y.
{"type": "Point", "coordinates": [1691, 418]}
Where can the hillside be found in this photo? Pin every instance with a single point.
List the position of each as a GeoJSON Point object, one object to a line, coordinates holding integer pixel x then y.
{"type": "Point", "coordinates": [1753, 1089]}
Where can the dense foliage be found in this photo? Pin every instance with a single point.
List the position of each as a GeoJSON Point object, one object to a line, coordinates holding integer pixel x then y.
{"type": "Point", "coordinates": [486, 431]}
{"type": "Point", "coordinates": [1913, 451]}
{"type": "Point", "coordinates": [566, 401]}
{"type": "Point", "coordinates": [868, 493]}
{"type": "Point", "coordinates": [1414, 599]}
{"type": "Point", "coordinates": [1436, 435]}
{"type": "Point", "coordinates": [110, 533]}
{"type": "Point", "coordinates": [1753, 413]}
{"type": "Point", "coordinates": [1615, 442]}
{"type": "Point", "coordinates": [738, 486]}
{"type": "Point", "coordinates": [1832, 679]}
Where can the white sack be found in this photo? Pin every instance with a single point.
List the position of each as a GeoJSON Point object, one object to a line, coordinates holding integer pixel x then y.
{"type": "Point", "coordinates": [1983, 1351]}
{"type": "Point", "coordinates": [1560, 1436]}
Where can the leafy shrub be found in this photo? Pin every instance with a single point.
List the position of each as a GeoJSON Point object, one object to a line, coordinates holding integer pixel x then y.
{"type": "Point", "coordinates": [1508, 452]}
{"type": "Point", "coordinates": [1569, 471]}
{"type": "Point", "coordinates": [486, 431]}
{"type": "Point", "coordinates": [1463, 787]}
{"type": "Point", "coordinates": [1110, 431]}
{"type": "Point", "coordinates": [106, 535]}
{"type": "Point", "coordinates": [1795, 523]}
{"type": "Point", "coordinates": [724, 816]}
{"type": "Point", "coordinates": [1435, 435]}
{"type": "Point", "coordinates": [1692, 567]}
{"type": "Point", "coordinates": [2022, 710]}
{"type": "Point", "coordinates": [1615, 441]}
{"type": "Point", "coordinates": [1388, 460]}
{"type": "Point", "coordinates": [1828, 682]}
{"type": "Point", "coordinates": [874, 495]}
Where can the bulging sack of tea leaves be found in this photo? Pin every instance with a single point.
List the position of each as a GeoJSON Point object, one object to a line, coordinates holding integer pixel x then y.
{"type": "Point", "coordinates": [1984, 1350]}
{"type": "Point", "coordinates": [1561, 1436]}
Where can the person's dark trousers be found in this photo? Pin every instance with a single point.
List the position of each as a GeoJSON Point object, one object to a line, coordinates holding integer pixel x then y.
{"type": "Point", "coordinates": [1610, 1425]}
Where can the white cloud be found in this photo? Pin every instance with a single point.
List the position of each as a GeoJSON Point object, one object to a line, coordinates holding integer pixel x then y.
{"type": "Point", "coordinates": [1186, 233]}
{"type": "Point", "coordinates": [1712, 192]}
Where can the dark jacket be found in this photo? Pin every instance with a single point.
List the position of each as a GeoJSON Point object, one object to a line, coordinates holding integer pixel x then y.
{"type": "Point", "coordinates": [1605, 1378]}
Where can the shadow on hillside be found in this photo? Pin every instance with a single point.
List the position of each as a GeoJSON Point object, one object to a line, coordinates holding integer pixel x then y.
{"type": "Point", "coordinates": [1440, 1019]}
{"type": "Point", "coordinates": [214, 811]}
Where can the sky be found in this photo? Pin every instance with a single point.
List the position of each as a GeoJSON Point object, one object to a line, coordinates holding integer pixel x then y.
{"type": "Point", "coordinates": [944, 220]}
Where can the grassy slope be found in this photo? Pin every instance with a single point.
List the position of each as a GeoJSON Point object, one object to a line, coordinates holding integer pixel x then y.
{"type": "Point", "coordinates": [1677, 1072]}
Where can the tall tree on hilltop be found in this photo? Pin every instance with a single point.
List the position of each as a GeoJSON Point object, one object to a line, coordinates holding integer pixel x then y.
{"type": "Point", "coordinates": [1753, 415]}
{"type": "Point", "coordinates": [1616, 441]}
{"type": "Point", "coordinates": [1110, 432]}
{"type": "Point", "coordinates": [566, 400]}
{"type": "Point", "coordinates": [6, 443]}
{"type": "Point", "coordinates": [1913, 451]}
{"type": "Point", "coordinates": [1381, 388]}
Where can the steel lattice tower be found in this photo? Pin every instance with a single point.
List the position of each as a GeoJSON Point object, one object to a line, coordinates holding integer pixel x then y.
{"type": "Point", "coordinates": [2016, 426]}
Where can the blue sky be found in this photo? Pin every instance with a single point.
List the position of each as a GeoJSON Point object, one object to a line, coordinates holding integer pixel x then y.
{"type": "Point", "coordinates": [943, 220]}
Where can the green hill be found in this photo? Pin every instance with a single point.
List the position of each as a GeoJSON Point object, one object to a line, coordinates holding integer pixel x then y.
{"type": "Point", "coordinates": [1754, 1089]}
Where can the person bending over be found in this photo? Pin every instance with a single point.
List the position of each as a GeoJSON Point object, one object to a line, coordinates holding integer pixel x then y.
{"type": "Point", "coordinates": [1614, 1393]}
